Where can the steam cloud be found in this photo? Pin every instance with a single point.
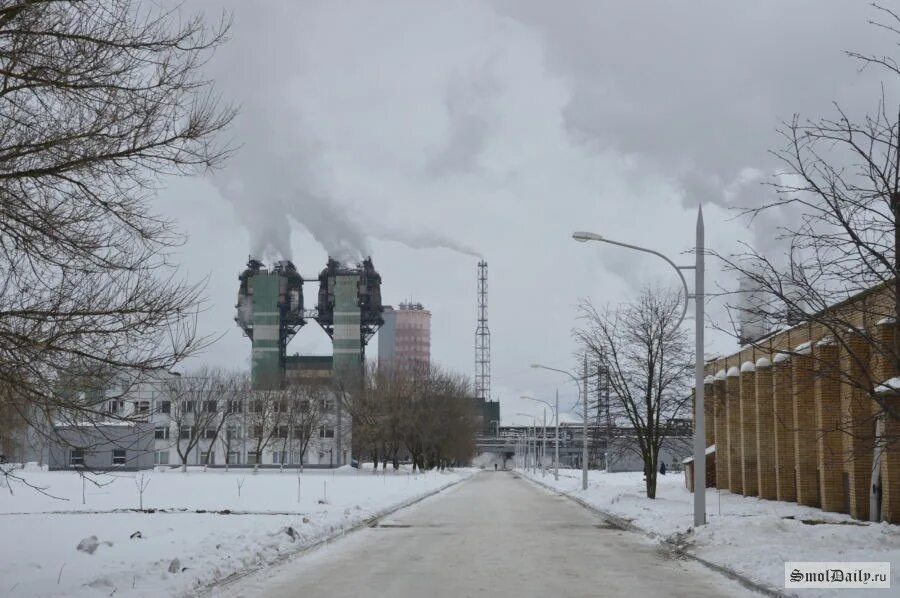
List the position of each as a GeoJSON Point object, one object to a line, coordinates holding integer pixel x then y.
{"type": "Point", "coordinates": [423, 240]}
{"type": "Point", "coordinates": [274, 183]}
{"type": "Point", "coordinates": [709, 126]}
{"type": "Point", "coordinates": [280, 176]}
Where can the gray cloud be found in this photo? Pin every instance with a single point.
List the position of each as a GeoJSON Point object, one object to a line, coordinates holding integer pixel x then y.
{"type": "Point", "coordinates": [503, 126]}
{"type": "Point", "coordinates": [279, 173]}
{"type": "Point", "coordinates": [696, 89]}
{"type": "Point", "coordinates": [470, 114]}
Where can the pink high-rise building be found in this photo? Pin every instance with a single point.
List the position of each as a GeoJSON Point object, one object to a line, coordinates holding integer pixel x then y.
{"type": "Point", "coordinates": [404, 341]}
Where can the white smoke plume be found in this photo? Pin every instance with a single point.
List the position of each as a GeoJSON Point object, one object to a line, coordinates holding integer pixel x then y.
{"type": "Point", "coordinates": [281, 175]}
{"type": "Point", "coordinates": [421, 240]}
{"type": "Point", "coordinates": [278, 181]}
{"type": "Point", "coordinates": [278, 176]}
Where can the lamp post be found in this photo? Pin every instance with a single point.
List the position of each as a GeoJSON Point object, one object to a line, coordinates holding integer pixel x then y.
{"type": "Point", "coordinates": [556, 443]}
{"type": "Point", "coordinates": [584, 448]}
{"type": "Point", "coordinates": [697, 296]}
{"type": "Point", "coordinates": [533, 441]}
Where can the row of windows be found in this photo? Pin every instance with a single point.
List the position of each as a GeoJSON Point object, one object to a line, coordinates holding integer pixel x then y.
{"type": "Point", "coordinates": [188, 432]}
{"type": "Point", "coordinates": [234, 406]}
{"type": "Point", "coordinates": [76, 457]}
{"type": "Point", "coordinates": [232, 458]}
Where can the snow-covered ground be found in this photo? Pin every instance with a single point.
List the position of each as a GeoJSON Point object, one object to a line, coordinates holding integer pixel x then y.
{"type": "Point", "coordinates": [750, 536]}
{"type": "Point", "coordinates": [245, 520]}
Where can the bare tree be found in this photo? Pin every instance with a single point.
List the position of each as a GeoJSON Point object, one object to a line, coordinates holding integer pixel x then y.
{"type": "Point", "coordinates": [423, 413]}
{"type": "Point", "coordinates": [141, 482]}
{"type": "Point", "coordinates": [99, 100]}
{"type": "Point", "coordinates": [200, 407]}
{"type": "Point", "coordinates": [378, 413]}
{"type": "Point", "coordinates": [267, 415]}
{"type": "Point", "coordinates": [305, 416]}
{"type": "Point", "coordinates": [648, 361]}
{"type": "Point", "coordinates": [838, 201]}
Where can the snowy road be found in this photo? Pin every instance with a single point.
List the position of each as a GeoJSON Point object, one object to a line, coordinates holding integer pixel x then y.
{"type": "Point", "coordinates": [493, 535]}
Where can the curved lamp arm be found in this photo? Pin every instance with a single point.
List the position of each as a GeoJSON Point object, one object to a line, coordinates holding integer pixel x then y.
{"type": "Point", "coordinates": [552, 408]}
{"type": "Point", "coordinates": [569, 374]}
{"type": "Point", "coordinates": [584, 237]}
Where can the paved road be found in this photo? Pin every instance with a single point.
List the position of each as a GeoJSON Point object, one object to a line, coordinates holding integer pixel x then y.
{"type": "Point", "coordinates": [495, 535]}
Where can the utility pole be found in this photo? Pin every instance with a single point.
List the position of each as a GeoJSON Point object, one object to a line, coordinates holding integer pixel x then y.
{"type": "Point", "coordinates": [584, 447]}
{"type": "Point", "coordinates": [581, 396]}
{"type": "Point", "coordinates": [596, 443]}
{"type": "Point", "coordinates": [544, 442]}
{"type": "Point", "coordinates": [556, 450]}
{"type": "Point", "coordinates": [698, 297]}
{"type": "Point", "coordinates": [699, 422]}
{"type": "Point", "coordinates": [608, 424]}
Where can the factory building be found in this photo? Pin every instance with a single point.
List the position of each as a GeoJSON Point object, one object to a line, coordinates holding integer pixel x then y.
{"type": "Point", "coordinates": [792, 416]}
{"type": "Point", "coordinates": [405, 339]}
{"type": "Point", "coordinates": [140, 418]}
{"type": "Point", "coordinates": [270, 311]}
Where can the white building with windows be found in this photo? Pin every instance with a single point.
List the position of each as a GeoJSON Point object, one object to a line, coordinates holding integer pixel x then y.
{"type": "Point", "coordinates": [154, 428]}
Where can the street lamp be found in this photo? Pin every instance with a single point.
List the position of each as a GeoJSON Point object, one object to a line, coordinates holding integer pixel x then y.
{"type": "Point", "coordinates": [584, 447]}
{"type": "Point", "coordinates": [556, 447]}
{"type": "Point", "coordinates": [697, 296]}
{"type": "Point", "coordinates": [528, 445]}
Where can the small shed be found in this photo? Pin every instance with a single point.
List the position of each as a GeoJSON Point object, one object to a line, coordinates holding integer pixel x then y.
{"type": "Point", "coordinates": [710, 469]}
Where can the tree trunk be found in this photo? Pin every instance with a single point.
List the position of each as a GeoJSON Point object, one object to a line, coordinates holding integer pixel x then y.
{"type": "Point", "coordinates": [650, 476]}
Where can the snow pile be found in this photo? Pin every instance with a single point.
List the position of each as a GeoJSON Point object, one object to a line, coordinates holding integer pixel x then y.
{"type": "Point", "coordinates": [750, 536]}
{"type": "Point", "coordinates": [196, 528]}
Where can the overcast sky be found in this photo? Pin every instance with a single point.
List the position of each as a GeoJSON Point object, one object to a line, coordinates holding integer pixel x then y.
{"type": "Point", "coordinates": [425, 134]}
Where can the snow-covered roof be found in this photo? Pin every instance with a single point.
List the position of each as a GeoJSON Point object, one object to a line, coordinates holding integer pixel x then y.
{"type": "Point", "coordinates": [733, 372]}
{"type": "Point", "coordinates": [782, 357]}
{"type": "Point", "coordinates": [826, 342]}
{"type": "Point", "coordinates": [763, 362]}
{"type": "Point", "coordinates": [885, 321]}
{"type": "Point", "coordinates": [720, 375]}
{"type": "Point", "coordinates": [803, 348]}
{"type": "Point", "coordinates": [709, 450]}
{"type": "Point", "coordinates": [888, 386]}
{"type": "Point", "coordinates": [747, 367]}
{"type": "Point", "coordinates": [708, 380]}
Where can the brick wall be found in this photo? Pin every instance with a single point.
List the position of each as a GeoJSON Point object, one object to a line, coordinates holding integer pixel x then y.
{"type": "Point", "coordinates": [793, 416]}
{"type": "Point", "coordinates": [749, 476]}
{"type": "Point", "coordinates": [805, 445]}
{"type": "Point", "coordinates": [765, 430]}
{"type": "Point", "coordinates": [829, 449]}
{"type": "Point", "coordinates": [733, 405]}
{"type": "Point", "coordinates": [783, 408]}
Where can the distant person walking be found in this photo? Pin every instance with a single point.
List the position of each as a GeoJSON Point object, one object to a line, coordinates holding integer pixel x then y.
{"type": "Point", "coordinates": [662, 468]}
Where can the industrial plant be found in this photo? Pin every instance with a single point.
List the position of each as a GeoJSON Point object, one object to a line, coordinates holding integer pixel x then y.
{"type": "Point", "coordinates": [270, 311]}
